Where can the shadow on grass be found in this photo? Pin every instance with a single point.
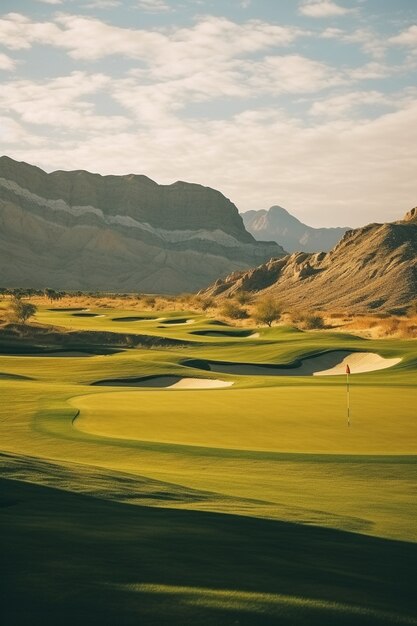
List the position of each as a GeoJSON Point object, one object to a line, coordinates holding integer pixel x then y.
{"type": "Point", "coordinates": [70, 558]}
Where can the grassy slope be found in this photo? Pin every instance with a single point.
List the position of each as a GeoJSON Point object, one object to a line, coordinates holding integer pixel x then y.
{"type": "Point", "coordinates": [72, 559]}
{"type": "Point", "coordinates": [267, 447]}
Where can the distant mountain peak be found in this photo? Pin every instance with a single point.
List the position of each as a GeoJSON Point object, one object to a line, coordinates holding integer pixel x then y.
{"type": "Point", "coordinates": [280, 225]}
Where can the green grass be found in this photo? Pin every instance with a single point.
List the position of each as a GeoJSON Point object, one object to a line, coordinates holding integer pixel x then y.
{"type": "Point", "coordinates": [273, 453]}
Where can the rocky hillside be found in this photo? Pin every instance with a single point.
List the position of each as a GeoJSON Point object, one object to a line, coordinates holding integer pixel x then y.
{"type": "Point", "coordinates": [77, 230]}
{"type": "Point", "coordinates": [278, 225]}
{"type": "Point", "coordinates": [371, 268]}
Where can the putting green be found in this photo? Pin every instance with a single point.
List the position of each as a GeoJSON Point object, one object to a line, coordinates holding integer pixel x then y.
{"type": "Point", "coordinates": [296, 420]}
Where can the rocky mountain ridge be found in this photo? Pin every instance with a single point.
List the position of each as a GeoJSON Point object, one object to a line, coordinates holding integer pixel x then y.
{"type": "Point", "coordinates": [78, 230]}
{"type": "Point", "coordinates": [371, 268]}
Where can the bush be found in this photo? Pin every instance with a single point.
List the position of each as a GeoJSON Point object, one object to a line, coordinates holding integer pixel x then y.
{"type": "Point", "coordinates": [267, 310]}
{"type": "Point", "coordinates": [313, 321]}
{"type": "Point", "coordinates": [149, 301]}
{"type": "Point", "coordinates": [21, 311]}
{"type": "Point", "coordinates": [242, 296]}
{"type": "Point", "coordinates": [234, 311]}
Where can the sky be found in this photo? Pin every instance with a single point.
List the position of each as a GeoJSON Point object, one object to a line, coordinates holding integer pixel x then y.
{"type": "Point", "coordinates": [308, 104]}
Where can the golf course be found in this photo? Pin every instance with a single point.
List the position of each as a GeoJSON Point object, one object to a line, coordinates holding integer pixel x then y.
{"type": "Point", "coordinates": [166, 467]}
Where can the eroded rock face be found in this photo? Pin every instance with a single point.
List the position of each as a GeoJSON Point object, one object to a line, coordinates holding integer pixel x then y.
{"type": "Point", "coordinates": [411, 216]}
{"type": "Point", "coordinates": [371, 268]}
{"type": "Point", "coordinates": [77, 230]}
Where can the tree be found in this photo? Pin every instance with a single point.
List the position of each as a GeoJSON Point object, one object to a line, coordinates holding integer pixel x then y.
{"type": "Point", "coordinates": [267, 310]}
{"type": "Point", "coordinates": [233, 310]}
{"type": "Point", "coordinates": [21, 311]}
{"type": "Point", "coordinates": [242, 296]}
{"type": "Point", "coordinates": [52, 295]}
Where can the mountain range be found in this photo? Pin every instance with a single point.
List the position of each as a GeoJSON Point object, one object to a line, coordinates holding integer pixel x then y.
{"type": "Point", "coordinates": [371, 268]}
{"type": "Point", "coordinates": [278, 225]}
{"type": "Point", "coordinates": [74, 230]}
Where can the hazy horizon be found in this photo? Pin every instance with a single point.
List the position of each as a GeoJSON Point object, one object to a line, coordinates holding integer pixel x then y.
{"type": "Point", "coordinates": [310, 104]}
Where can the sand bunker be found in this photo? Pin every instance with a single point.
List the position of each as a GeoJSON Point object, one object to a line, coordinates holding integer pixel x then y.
{"type": "Point", "coordinates": [167, 382]}
{"type": "Point", "coordinates": [133, 319]}
{"type": "Point", "coordinates": [178, 322]}
{"type": "Point", "coordinates": [328, 364]}
{"type": "Point", "coordinates": [84, 314]}
{"type": "Point", "coordinates": [225, 333]}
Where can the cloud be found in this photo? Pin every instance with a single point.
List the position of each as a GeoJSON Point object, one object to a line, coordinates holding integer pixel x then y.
{"type": "Point", "coordinates": [103, 4]}
{"type": "Point", "coordinates": [293, 74]}
{"type": "Point", "coordinates": [6, 62]}
{"type": "Point", "coordinates": [154, 6]}
{"type": "Point", "coordinates": [92, 39]}
{"type": "Point", "coordinates": [370, 42]}
{"type": "Point", "coordinates": [345, 171]}
{"type": "Point", "coordinates": [59, 102]}
{"type": "Point", "coordinates": [407, 38]}
{"type": "Point", "coordinates": [50, 1]}
{"type": "Point", "coordinates": [322, 8]}
{"type": "Point", "coordinates": [343, 105]}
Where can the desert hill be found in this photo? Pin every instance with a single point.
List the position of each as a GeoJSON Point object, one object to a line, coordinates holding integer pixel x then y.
{"type": "Point", "coordinates": [78, 230]}
{"type": "Point", "coordinates": [278, 225]}
{"type": "Point", "coordinates": [371, 268]}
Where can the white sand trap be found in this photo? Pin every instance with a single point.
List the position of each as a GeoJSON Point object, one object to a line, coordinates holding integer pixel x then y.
{"type": "Point", "coordinates": [179, 323]}
{"type": "Point", "coordinates": [169, 382]}
{"type": "Point", "coordinates": [359, 363]}
{"type": "Point", "coordinates": [329, 364]}
{"type": "Point", "coordinates": [253, 336]}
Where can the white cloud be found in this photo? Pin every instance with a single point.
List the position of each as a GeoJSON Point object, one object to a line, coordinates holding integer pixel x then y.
{"type": "Point", "coordinates": [103, 4]}
{"type": "Point", "coordinates": [293, 74]}
{"type": "Point", "coordinates": [349, 170]}
{"type": "Point", "coordinates": [370, 42]}
{"type": "Point", "coordinates": [91, 39]}
{"type": "Point", "coordinates": [59, 102]}
{"type": "Point", "coordinates": [154, 6]}
{"type": "Point", "coordinates": [322, 8]}
{"type": "Point", "coordinates": [6, 62]}
{"type": "Point", "coordinates": [407, 38]}
{"type": "Point", "coordinates": [51, 1]}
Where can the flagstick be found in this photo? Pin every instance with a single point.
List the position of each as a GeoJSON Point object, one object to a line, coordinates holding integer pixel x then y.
{"type": "Point", "coordinates": [348, 398]}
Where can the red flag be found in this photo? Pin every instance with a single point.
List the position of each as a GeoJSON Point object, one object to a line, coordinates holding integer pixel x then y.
{"type": "Point", "coordinates": [347, 369]}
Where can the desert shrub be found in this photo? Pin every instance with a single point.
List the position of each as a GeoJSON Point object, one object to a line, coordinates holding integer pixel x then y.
{"type": "Point", "coordinates": [149, 301]}
{"type": "Point", "coordinates": [202, 303]}
{"type": "Point", "coordinates": [21, 311]}
{"type": "Point", "coordinates": [313, 321]}
{"type": "Point", "coordinates": [233, 310]}
{"type": "Point", "coordinates": [267, 310]}
{"type": "Point", "coordinates": [242, 296]}
{"type": "Point", "coordinates": [389, 326]}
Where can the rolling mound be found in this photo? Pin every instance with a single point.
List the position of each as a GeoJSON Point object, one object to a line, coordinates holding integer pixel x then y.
{"type": "Point", "coordinates": [371, 268]}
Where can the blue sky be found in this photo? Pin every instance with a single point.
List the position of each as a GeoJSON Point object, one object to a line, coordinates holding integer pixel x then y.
{"type": "Point", "coordinates": [310, 104]}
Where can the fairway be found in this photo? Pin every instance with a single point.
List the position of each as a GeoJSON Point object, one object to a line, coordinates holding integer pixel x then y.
{"type": "Point", "coordinates": [206, 421]}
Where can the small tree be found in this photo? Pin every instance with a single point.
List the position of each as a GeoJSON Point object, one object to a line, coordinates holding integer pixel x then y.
{"type": "Point", "coordinates": [242, 296]}
{"type": "Point", "coordinates": [53, 295]}
{"type": "Point", "coordinates": [267, 310]}
{"type": "Point", "coordinates": [21, 311]}
{"type": "Point", "coordinates": [233, 310]}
